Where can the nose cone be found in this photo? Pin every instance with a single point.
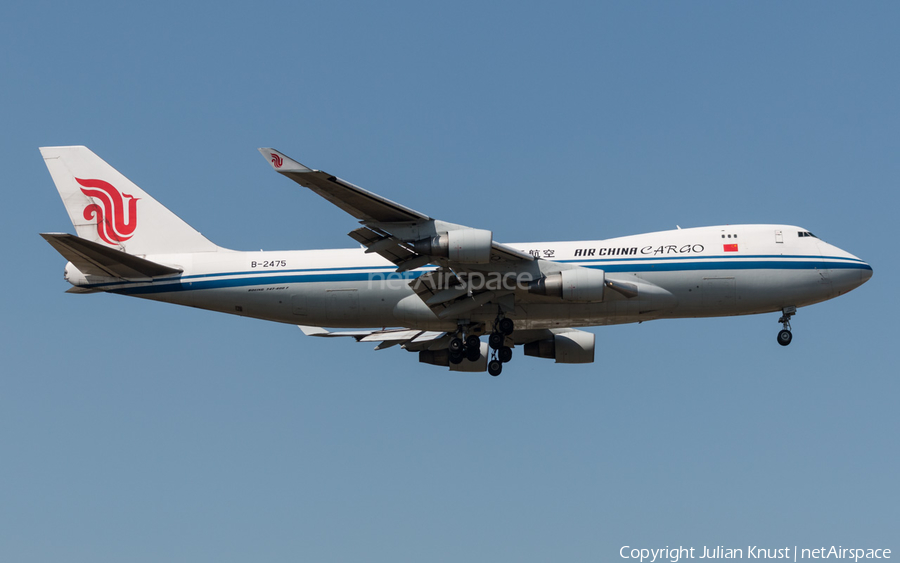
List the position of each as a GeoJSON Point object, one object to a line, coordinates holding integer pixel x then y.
{"type": "Point", "coordinates": [847, 272]}
{"type": "Point", "coordinates": [865, 273]}
{"type": "Point", "coordinates": [851, 274]}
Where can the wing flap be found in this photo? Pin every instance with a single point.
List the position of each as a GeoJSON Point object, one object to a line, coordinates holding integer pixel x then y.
{"type": "Point", "coordinates": [383, 244]}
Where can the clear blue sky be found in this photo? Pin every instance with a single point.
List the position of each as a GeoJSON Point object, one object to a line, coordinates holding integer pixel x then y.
{"type": "Point", "coordinates": [143, 432]}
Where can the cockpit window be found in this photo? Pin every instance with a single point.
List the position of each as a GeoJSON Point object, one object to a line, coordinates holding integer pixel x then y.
{"type": "Point", "coordinates": [806, 234]}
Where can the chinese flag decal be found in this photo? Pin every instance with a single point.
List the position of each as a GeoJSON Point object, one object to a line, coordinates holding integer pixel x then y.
{"type": "Point", "coordinates": [730, 248]}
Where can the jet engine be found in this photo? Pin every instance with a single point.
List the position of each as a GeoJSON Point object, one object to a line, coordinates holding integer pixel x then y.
{"type": "Point", "coordinates": [569, 347]}
{"type": "Point", "coordinates": [580, 284]}
{"type": "Point", "coordinates": [469, 246]}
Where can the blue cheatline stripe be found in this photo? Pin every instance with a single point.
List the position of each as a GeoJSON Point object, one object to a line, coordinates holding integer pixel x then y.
{"type": "Point", "coordinates": [638, 257]}
{"type": "Point", "coordinates": [256, 280]}
{"type": "Point", "coordinates": [633, 265]}
{"type": "Point", "coordinates": [323, 276]}
{"type": "Point", "coordinates": [262, 272]}
{"type": "Point", "coordinates": [602, 263]}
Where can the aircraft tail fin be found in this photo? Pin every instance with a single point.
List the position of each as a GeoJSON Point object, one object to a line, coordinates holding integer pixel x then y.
{"type": "Point", "coordinates": [107, 208]}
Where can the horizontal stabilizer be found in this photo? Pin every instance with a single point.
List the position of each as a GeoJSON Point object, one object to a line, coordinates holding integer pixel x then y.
{"type": "Point", "coordinates": [94, 259]}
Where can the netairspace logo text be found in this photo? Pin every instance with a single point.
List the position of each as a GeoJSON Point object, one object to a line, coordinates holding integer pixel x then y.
{"type": "Point", "coordinates": [675, 554]}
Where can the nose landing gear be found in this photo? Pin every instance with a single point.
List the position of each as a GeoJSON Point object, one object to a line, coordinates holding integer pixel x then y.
{"type": "Point", "coordinates": [784, 335]}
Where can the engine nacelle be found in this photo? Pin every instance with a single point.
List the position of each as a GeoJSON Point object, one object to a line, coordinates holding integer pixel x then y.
{"type": "Point", "coordinates": [570, 347]}
{"type": "Point", "coordinates": [580, 284]}
{"type": "Point", "coordinates": [469, 246]}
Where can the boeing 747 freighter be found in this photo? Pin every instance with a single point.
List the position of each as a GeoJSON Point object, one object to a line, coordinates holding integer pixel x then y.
{"type": "Point", "coordinates": [440, 287]}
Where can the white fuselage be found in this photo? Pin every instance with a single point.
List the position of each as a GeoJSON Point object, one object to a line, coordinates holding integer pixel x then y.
{"type": "Point", "coordinates": [697, 272]}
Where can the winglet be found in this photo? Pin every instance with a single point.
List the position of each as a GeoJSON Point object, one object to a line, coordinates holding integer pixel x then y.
{"type": "Point", "coordinates": [282, 163]}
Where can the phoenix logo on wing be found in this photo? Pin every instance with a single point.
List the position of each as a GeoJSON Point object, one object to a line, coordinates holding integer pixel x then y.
{"type": "Point", "coordinates": [277, 160]}
{"type": "Point", "coordinates": [112, 224]}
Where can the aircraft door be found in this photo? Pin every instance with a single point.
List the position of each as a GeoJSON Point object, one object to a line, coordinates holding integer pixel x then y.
{"type": "Point", "coordinates": [342, 305]}
{"type": "Point", "coordinates": [298, 305]}
{"type": "Point", "coordinates": [718, 292]}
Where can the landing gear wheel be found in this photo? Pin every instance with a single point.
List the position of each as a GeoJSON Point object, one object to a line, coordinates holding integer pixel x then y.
{"type": "Point", "coordinates": [785, 337]}
{"type": "Point", "coordinates": [456, 345]}
{"type": "Point", "coordinates": [473, 353]}
{"type": "Point", "coordinates": [495, 367]}
{"type": "Point", "coordinates": [456, 357]}
{"type": "Point", "coordinates": [495, 340]}
{"type": "Point", "coordinates": [504, 354]}
{"type": "Point", "coordinates": [506, 326]}
{"type": "Point", "coordinates": [473, 341]}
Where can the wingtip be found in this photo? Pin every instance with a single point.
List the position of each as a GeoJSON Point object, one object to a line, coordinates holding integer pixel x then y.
{"type": "Point", "coordinates": [281, 162]}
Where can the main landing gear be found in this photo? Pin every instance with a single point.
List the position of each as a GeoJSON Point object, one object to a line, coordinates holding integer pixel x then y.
{"type": "Point", "coordinates": [468, 349]}
{"type": "Point", "coordinates": [784, 335]}
{"type": "Point", "coordinates": [501, 353]}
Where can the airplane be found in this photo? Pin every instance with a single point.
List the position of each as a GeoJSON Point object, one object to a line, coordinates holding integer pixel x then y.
{"type": "Point", "coordinates": [433, 287]}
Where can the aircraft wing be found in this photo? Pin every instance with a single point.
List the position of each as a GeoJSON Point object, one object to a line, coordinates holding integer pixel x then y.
{"type": "Point", "coordinates": [362, 204]}
{"type": "Point", "coordinates": [410, 339]}
{"type": "Point", "coordinates": [389, 228]}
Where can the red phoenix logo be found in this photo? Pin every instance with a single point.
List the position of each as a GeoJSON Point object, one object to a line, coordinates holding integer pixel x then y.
{"type": "Point", "coordinates": [277, 160]}
{"type": "Point", "coordinates": [112, 225]}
